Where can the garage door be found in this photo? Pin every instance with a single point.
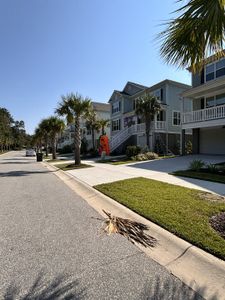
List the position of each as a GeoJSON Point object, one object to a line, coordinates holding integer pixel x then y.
{"type": "Point", "coordinates": [212, 141]}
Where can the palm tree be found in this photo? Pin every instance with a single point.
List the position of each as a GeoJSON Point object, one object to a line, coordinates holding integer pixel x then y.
{"type": "Point", "coordinates": [45, 128]}
{"type": "Point", "coordinates": [37, 139]}
{"type": "Point", "coordinates": [102, 124]}
{"type": "Point", "coordinates": [92, 124]}
{"type": "Point", "coordinates": [56, 126]}
{"type": "Point", "coordinates": [195, 34]}
{"type": "Point", "coordinates": [147, 107]}
{"type": "Point", "coordinates": [74, 106]}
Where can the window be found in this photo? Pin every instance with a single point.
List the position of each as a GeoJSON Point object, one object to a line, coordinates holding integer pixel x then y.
{"type": "Point", "coordinates": [158, 94]}
{"type": "Point", "coordinates": [115, 107]}
{"type": "Point", "coordinates": [215, 70]}
{"type": "Point", "coordinates": [88, 131]}
{"type": "Point", "coordinates": [116, 125]}
{"type": "Point", "coordinates": [215, 100]}
{"type": "Point", "coordinates": [176, 118]}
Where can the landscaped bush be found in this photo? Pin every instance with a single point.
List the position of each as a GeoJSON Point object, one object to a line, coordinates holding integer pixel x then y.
{"type": "Point", "coordinates": [151, 155]}
{"type": "Point", "coordinates": [145, 156]}
{"type": "Point", "coordinates": [196, 165]}
{"type": "Point", "coordinates": [132, 151]}
{"type": "Point", "coordinates": [212, 168]}
{"type": "Point", "coordinates": [66, 149]}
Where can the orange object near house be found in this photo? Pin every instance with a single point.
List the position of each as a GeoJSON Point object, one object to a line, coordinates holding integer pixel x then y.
{"type": "Point", "coordinates": [104, 144]}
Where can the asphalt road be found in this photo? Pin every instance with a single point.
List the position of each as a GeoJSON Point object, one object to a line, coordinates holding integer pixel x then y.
{"type": "Point", "coordinates": [52, 248]}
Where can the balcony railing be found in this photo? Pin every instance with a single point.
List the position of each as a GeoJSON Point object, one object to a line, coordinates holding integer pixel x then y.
{"type": "Point", "coordinates": [207, 114]}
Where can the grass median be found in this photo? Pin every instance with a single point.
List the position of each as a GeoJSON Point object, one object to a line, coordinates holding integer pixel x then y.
{"type": "Point", "coordinates": [184, 212]}
{"type": "Point", "coordinates": [200, 175]}
{"type": "Point", "coordinates": [69, 166]}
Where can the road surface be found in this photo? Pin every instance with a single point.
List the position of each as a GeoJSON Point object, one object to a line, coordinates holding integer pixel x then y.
{"type": "Point", "coordinates": [51, 246]}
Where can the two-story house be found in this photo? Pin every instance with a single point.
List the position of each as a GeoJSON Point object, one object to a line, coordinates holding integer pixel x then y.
{"type": "Point", "coordinates": [207, 119]}
{"type": "Point", "coordinates": [102, 111]}
{"type": "Point", "coordinates": [128, 129]}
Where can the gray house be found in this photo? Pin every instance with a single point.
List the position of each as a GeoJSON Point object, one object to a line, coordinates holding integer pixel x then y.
{"type": "Point", "coordinates": [129, 129]}
{"type": "Point", "coordinates": [207, 119]}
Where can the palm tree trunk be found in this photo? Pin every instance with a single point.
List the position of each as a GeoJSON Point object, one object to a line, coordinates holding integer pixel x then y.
{"type": "Point", "coordinates": [103, 130]}
{"type": "Point", "coordinates": [54, 147]}
{"type": "Point", "coordinates": [77, 142]}
{"type": "Point", "coordinates": [93, 138]}
{"type": "Point", "coordinates": [147, 132]}
{"type": "Point", "coordinates": [46, 147]}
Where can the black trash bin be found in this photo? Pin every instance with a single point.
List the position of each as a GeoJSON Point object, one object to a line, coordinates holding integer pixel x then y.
{"type": "Point", "coordinates": [39, 156]}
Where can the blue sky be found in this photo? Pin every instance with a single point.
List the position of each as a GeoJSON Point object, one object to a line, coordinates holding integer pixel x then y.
{"type": "Point", "coordinates": [49, 48]}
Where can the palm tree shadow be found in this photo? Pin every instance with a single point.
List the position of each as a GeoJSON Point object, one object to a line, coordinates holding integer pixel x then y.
{"type": "Point", "coordinates": [24, 173]}
{"type": "Point", "coordinates": [61, 287]}
{"type": "Point", "coordinates": [170, 289]}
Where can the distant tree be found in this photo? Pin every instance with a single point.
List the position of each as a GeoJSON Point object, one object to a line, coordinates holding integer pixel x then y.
{"type": "Point", "coordinates": [147, 107]}
{"type": "Point", "coordinates": [56, 125]}
{"type": "Point", "coordinates": [103, 123]}
{"type": "Point", "coordinates": [44, 128]}
{"type": "Point", "coordinates": [92, 124]}
{"type": "Point", "coordinates": [74, 106]}
{"type": "Point", "coordinates": [197, 32]}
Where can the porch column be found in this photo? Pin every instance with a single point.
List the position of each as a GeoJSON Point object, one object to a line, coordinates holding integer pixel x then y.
{"type": "Point", "coordinates": [195, 142]}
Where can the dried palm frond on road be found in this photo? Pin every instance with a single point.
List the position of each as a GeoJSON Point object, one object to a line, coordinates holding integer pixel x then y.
{"type": "Point", "coordinates": [133, 231]}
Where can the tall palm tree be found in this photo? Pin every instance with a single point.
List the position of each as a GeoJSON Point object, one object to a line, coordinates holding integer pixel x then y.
{"type": "Point", "coordinates": [102, 124]}
{"type": "Point", "coordinates": [45, 128]}
{"type": "Point", "coordinates": [56, 126]}
{"type": "Point", "coordinates": [74, 106]}
{"type": "Point", "coordinates": [195, 34]}
{"type": "Point", "coordinates": [92, 124]}
{"type": "Point", "coordinates": [147, 107]}
{"type": "Point", "coordinates": [37, 139]}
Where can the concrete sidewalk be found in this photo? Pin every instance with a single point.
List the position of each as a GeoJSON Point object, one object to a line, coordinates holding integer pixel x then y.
{"type": "Point", "coordinates": [157, 170]}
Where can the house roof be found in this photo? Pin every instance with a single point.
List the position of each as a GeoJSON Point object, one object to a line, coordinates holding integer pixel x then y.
{"type": "Point", "coordinates": [99, 106]}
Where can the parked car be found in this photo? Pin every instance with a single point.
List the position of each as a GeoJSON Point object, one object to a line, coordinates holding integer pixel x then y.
{"type": "Point", "coordinates": [30, 152]}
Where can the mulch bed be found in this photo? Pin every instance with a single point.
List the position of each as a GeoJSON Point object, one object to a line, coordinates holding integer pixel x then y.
{"type": "Point", "coordinates": [218, 223]}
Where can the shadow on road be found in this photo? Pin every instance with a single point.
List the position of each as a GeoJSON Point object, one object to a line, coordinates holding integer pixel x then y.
{"type": "Point", "coordinates": [16, 162]}
{"type": "Point", "coordinates": [61, 287]}
{"type": "Point", "coordinates": [23, 173]}
{"type": "Point", "coordinates": [169, 289]}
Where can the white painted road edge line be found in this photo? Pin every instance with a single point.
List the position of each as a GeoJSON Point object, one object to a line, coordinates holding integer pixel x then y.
{"type": "Point", "coordinates": [203, 272]}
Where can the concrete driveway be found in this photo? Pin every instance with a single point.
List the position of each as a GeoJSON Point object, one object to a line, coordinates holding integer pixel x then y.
{"type": "Point", "coordinates": [177, 163]}
{"type": "Point", "coordinates": [157, 170]}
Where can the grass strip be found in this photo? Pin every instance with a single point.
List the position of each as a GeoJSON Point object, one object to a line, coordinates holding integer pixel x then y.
{"type": "Point", "coordinates": [67, 167]}
{"type": "Point", "coordinates": [180, 210]}
{"type": "Point", "coordinates": [201, 175]}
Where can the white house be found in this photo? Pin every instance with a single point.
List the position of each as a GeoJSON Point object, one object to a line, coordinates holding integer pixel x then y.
{"type": "Point", "coordinates": [207, 118]}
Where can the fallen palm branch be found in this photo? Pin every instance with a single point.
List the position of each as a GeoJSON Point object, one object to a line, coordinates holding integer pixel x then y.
{"type": "Point", "coordinates": [133, 231]}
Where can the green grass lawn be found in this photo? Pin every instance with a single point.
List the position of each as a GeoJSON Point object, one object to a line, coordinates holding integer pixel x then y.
{"type": "Point", "coordinates": [201, 175]}
{"type": "Point", "coordinates": [180, 210]}
{"type": "Point", "coordinates": [67, 167]}
{"type": "Point", "coordinates": [125, 160]}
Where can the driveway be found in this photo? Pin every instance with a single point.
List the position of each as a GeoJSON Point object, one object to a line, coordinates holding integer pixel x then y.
{"type": "Point", "coordinates": [155, 169]}
{"type": "Point", "coordinates": [51, 246]}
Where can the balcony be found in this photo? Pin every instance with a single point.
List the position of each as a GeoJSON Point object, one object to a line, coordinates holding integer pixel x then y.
{"type": "Point", "coordinates": [207, 117]}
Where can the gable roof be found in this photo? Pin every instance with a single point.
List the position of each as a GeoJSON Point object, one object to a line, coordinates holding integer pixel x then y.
{"type": "Point", "coordinates": [99, 106]}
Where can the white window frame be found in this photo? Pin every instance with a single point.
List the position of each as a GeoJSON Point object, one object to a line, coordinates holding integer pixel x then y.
{"type": "Point", "coordinates": [118, 125]}
{"type": "Point", "coordinates": [214, 69]}
{"type": "Point", "coordinates": [116, 107]}
{"type": "Point", "coordinates": [173, 112]}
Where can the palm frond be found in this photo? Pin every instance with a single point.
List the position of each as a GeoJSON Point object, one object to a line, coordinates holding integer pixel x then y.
{"type": "Point", "coordinates": [133, 231]}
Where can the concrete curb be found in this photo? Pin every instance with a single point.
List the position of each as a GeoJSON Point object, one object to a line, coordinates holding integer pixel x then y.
{"type": "Point", "coordinates": [203, 272]}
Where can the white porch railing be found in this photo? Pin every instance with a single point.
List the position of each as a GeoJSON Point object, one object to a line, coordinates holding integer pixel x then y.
{"type": "Point", "coordinates": [124, 134]}
{"type": "Point", "coordinates": [211, 113]}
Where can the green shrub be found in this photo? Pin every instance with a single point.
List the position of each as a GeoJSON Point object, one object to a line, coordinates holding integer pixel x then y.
{"type": "Point", "coordinates": [212, 168]}
{"type": "Point", "coordinates": [132, 151]}
{"type": "Point", "coordinates": [196, 165]}
{"type": "Point", "coordinates": [66, 149]}
{"type": "Point", "coordinates": [188, 147]}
